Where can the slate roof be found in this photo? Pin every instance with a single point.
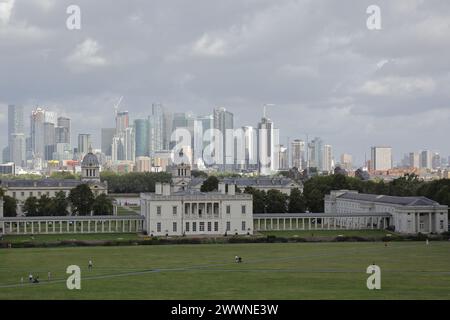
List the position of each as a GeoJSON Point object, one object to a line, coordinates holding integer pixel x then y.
{"type": "Point", "coordinates": [404, 201]}
{"type": "Point", "coordinates": [261, 182]}
{"type": "Point", "coordinates": [41, 183]}
{"type": "Point", "coordinates": [90, 160]}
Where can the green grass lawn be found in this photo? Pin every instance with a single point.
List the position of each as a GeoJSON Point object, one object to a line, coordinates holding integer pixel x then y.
{"type": "Point", "coordinates": [410, 270]}
{"type": "Point", "coordinates": [78, 236]}
{"type": "Point", "coordinates": [328, 233]}
{"type": "Point", "coordinates": [125, 211]}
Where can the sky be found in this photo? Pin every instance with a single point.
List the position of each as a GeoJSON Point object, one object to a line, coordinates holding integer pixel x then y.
{"type": "Point", "coordinates": [324, 72]}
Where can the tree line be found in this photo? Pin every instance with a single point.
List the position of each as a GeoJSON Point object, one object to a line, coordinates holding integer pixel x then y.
{"type": "Point", "coordinates": [133, 182]}
{"type": "Point", "coordinates": [81, 201]}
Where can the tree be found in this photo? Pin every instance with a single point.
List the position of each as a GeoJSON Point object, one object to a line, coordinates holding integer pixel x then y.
{"type": "Point", "coordinates": [315, 201]}
{"type": "Point", "coordinates": [259, 199]}
{"type": "Point", "coordinates": [60, 204]}
{"type": "Point", "coordinates": [297, 202]}
{"type": "Point", "coordinates": [102, 205]}
{"type": "Point", "coordinates": [45, 206]}
{"type": "Point", "coordinates": [198, 173]}
{"type": "Point", "coordinates": [30, 207]}
{"type": "Point", "coordinates": [134, 182]}
{"type": "Point", "coordinates": [82, 200]}
{"type": "Point", "coordinates": [9, 206]}
{"type": "Point", "coordinates": [276, 201]}
{"type": "Point", "coordinates": [63, 175]}
{"type": "Point", "coordinates": [210, 184]}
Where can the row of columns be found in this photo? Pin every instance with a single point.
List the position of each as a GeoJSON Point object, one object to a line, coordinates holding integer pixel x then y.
{"type": "Point", "coordinates": [207, 208]}
{"type": "Point", "coordinates": [77, 226]}
{"type": "Point", "coordinates": [326, 223]}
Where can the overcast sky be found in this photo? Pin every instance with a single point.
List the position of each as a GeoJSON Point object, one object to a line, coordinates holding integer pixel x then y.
{"type": "Point", "coordinates": [326, 73]}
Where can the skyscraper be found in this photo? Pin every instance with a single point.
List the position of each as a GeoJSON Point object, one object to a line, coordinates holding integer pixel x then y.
{"type": "Point", "coordinates": [426, 159]}
{"type": "Point", "coordinates": [381, 158]}
{"type": "Point", "coordinates": [283, 163]}
{"type": "Point", "coordinates": [37, 133]}
{"type": "Point", "coordinates": [142, 141]}
{"type": "Point", "coordinates": [267, 140]}
{"type": "Point", "coordinates": [298, 154]}
{"type": "Point", "coordinates": [16, 133]}
{"type": "Point", "coordinates": [49, 140]}
{"type": "Point", "coordinates": [223, 121]}
{"type": "Point", "coordinates": [122, 121]}
{"type": "Point", "coordinates": [327, 160]}
{"type": "Point", "coordinates": [107, 135]}
{"type": "Point", "coordinates": [414, 160]}
{"type": "Point", "coordinates": [156, 128]}
{"type": "Point", "coordinates": [84, 143]}
{"type": "Point", "coordinates": [346, 161]}
{"type": "Point", "coordinates": [316, 153]}
{"type": "Point", "coordinates": [62, 130]}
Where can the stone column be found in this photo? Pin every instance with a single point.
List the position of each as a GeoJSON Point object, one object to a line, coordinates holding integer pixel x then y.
{"type": "Point", "coordinates": [430, 226]}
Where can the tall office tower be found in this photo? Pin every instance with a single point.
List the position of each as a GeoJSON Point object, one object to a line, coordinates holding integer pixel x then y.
{"type": "Point", "coordinates": [141, 127]}
{"type": "Point", "coordinates": [381, 158]}
{"type": "Point", "coordinates": [122, 121]}
{"type": "Point", "coordinates": [5, 155]}
{"type": "Point", "coordinates": [414, 160]}
{"type": "Point", "coordinates": [426, 159]}
{"type": "Point", "coordinates": [15, 126]}
{"type": "Point", "coordinates": [436, 161]}
{"type": "Point", "coordinates": [62, 130]}
{"type": "Point", "coordinates": [17, 151]}
{"type": "Point", "coordinates": [84, 143]}
{"type": "Point", "coordinates": [107, 136]}
{"type": "Point", "coordinates": [184, 121]}
{"type": "Point", "coordinates": [224, 120]}
{"type": "Point", "coordinates": [283, 163]}
{"type": "Point", "coordinates": [202, 136]}
{"type": "Point", "coordinates": [168, 128]}
{"type": "Point", "coordinates": [49, 140]}
{"type": "Point", "coordinates": [346, 161]}
{"type": "Point", "coordinates": [250, 148]}
{"type": "Point", "coordinates": [327, 160]}
{"type": "Point", "coordinates": [267, 140]}
{"type": "Point", "coordinates": [37, 133]}
{"type": "Point", "coordinates": [130, 144]}
{"type": "Point", "coordinates": [298, 154]}
{"type": "Point", "coordinates": [316, 154]}
{"type": "Point", "coordinates": [51, 117]}
{"type": "Point", "coordinates": [117, 148]}
{"type": "Point", "coordinates": [156, 128]}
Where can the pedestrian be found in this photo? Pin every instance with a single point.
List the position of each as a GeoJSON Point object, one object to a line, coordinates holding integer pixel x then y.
{"type": "Point", "coordinates": [236, 258]}
{"type": "Point", "coordinates": [427, 242]}
{"type": "Point", "coordinates": [30, 277]}
{"type": "Point", "coordinates": [90, 265]}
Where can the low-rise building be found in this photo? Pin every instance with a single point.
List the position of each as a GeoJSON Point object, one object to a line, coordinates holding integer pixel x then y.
{"type": "Point", "coordinates": [407, 214]}
{"type": "Point", "coordinates": [191, 212]}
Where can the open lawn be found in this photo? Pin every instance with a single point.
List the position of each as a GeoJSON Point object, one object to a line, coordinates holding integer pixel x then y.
{"type": "Point", "coordinates": [410, 270]}
{"type": "Point", "coordinates": [69, 236]}
{"type": "Point", "coordinates": [328, 233]}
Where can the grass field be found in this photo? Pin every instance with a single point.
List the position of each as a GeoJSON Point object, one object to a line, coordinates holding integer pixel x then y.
{"type": "Point", "coordinates": [328, 233]}
{"type": "Point", "coordinates": [77, 236]}
{"type": "Point", "coordinates": [410, 270]}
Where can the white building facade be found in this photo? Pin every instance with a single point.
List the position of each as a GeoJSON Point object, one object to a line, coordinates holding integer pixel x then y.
{"type": "Point", "coordinates": [190, 213]}
{"type": "Point", "coordinates": [407, 214]}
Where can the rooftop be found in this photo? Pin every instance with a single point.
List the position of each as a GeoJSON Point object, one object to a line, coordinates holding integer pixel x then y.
{"type": "Point", "coordinates": [403, 201]}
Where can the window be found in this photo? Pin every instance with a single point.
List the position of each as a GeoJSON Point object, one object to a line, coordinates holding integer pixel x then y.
{"type": "Point", "coordinates": [209, 226]}
{"type": "Point", "coordinates": [201, 226]}
{"type": "Point", "coordinates": [216, 226]}
{"type": "Point", "coordinates": [39, 193]}
{"type": "Point", "coordinates": [22, 194]}
{"type": "Point", "coordinates": [441, 223]}
{"type": "Point", "coordinates": [158, 227]}
{"type": "Point", "coordinates": [31, 193]}
{"type": "Point", "coordinates": [243, 225]}
{"type": "Point", "coordinates": [14, 194]}
{"type": "Point", "coordinates": [194, 226]}
{"type": "Point", "coordinates": [174, 227]}
{"type": "Point", "coordinates": [243, 209]}
{"type": "Point", "coordinates": [228, 209]}
{"type": "Point", "coordinates": [187, 226]}
{"type": "Point", "coordinates": [174, 209]}
{"type": "Point", "coordinates": [158, 210]}
{"type": "Point", "coordinates": [228, 225]}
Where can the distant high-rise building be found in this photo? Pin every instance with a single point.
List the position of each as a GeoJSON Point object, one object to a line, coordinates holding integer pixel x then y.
{"type": "Point", "coordinates": [298, 154]}
{"type": "Point", "coordinates": [143, 164]}
{"type": "Point", "coordinates": [122, 121]}
{"type": "Point", "coordinates": [142, 137]}
{"type": "Point", "coordinates": [436, 161]}
{"type": "Point", "coordinates": [413, 160]}
{"type": "Point", "coordinates": [346, 161]}
{"type": "Point", "coordinates": [130, 144]}
{"type": "Point", "coordinates": [37, 133]}
{"type": "Point", "coordinates": [84, 143]}
{"type": "Point", "coordinates": [426, 159]}
{"type": "Point", "coordinates": [283, 163]}
{"type": "Point", "coordinates": [316, 153]}
{"type": "Point", "coordinates": [381, 158]}
{"type": "Point", "coordinates": [224, 120]}
{"type": "Point", "coordinates": [327, 160]}
{"type": "Point", "coordinates": [250, 152]}
{"type": "Point", "coordinates": [62, 130]}
{"type": "Point", "coordinates": [16, 132]}
{"type": "Point", "coordinates": [51, 117]}
{"type": "Point", "coordinates": [202, 136]}
{"type": "Point", "coordinates": [168, 128]}
{"type": "Point", "coordinates": [17, 151]}
{"type": "Point", "coordinates": [107, 135]}
{"type": "Point", "coordinates": [267, 140]}
{"type": "Point", "coordinates": [49, 140]}
{"type": "Point", "coordinates": [156, 128]}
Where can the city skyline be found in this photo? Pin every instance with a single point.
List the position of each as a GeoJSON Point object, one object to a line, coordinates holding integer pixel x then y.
{"type": "Point", "coordinates": [396, 93]}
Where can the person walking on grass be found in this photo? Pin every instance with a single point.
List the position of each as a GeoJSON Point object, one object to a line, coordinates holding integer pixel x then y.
{"type": "Point", "coordinates": [30, 277]}
{"type": "Point", "coordinates": [90, 264]}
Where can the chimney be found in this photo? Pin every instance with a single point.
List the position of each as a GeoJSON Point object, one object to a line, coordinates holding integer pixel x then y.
{"type": "Point", "coordinates": [166, 189]}
{"type": "Point", "coordinates": [231, 189]}
{"type": "Point", "coordinates": [222, 187]}
{"type": "Point", "coordinates": [158, 188]}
